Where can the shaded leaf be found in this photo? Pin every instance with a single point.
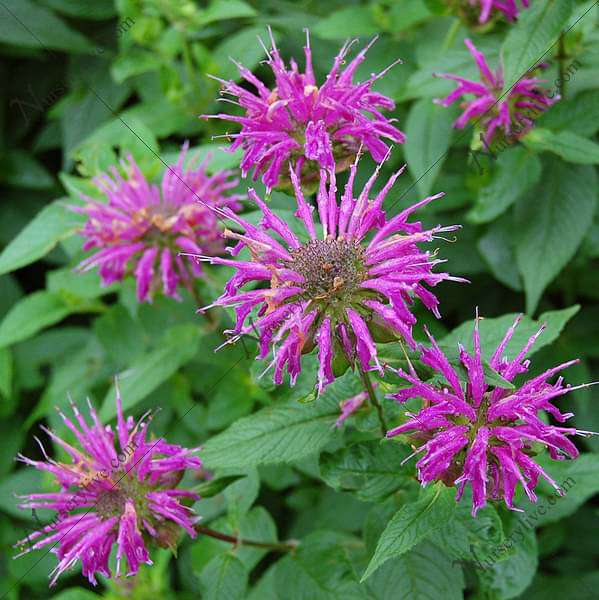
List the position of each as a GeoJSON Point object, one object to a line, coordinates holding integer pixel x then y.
{"type": "Point", "coordinates": [425, 573]}
{"type": "Point", "coordinates": [570, 146]}
{"type": "Point", "coordinates": [25, 23]}
{"type": "Point", "coordinates": [284, 432]}
{"type": "Point", "coordinates": [428, 129]}
{"type": "Point", "coordinates": [492, 331]}
{"type": "Point", "coordinates": [534, 34]}
{"type": "Point", "coordinates": [224, 577]}
{"type": "Point", "coordinates": [372, 470]}
{"type": "Point", "coordinates": [412, 523]}
{"type": "Point", "coordinates": [51, 225]}
{"type": "Point", "coordinates": [180, 343]}
{"type": "Point", "coordinates": [552, 222]}
{"type": "Point", "coordinates": [517, 171]}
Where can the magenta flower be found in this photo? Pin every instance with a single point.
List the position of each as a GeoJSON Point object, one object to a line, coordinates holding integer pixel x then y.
{"type": "Point", "coordinates": [308, 125]}
{"type": "Point", "coordinates": [142, 227]}
{"type": "Point", "coordinates": [510, 8]}
{"type": "Point", "coordinates": [346, 282]}
{"type": "Point", "coordinates": [106, 496]}
{"type": "Point", "coordinates": [482, 434]}
{"type": "Point", "coordinates": [492, 108]}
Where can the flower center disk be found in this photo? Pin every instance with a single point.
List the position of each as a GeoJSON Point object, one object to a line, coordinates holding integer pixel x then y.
{"type": "Point", "coordinates": [330, 268]}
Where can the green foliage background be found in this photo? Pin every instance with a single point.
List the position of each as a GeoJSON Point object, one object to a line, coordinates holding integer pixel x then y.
{"type": "Point", "coordinates": [85, 82]}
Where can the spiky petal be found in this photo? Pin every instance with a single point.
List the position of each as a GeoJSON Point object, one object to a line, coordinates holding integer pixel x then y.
{"type": "Point", "coordinates": [110, 496]}
{"type": "Point", "coordinates": [141, 228]}
{"type": "Point", "coordinates": [481, 434]}
{"type": "Point", "coordinates": [307, 124]}
{"type": "Point", "coordinates": [345, 283]}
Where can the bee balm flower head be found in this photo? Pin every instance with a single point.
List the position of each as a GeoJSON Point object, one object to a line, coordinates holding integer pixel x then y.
{"type": "Point", "coordinates": [512, 112]}
{"type": "Point", "coordinates": [483, 434]}
{"type": "Point", "coordinates": [126, 497]}
{"type": "Point", "coordinates": [307, 124]}
{"type": "Point", "coordinates": [338, 286]}
{"type": "Point", "coordinates": [141, 227]}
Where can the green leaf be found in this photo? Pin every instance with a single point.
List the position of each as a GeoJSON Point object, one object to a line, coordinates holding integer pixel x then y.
{"type": "Point", "coordinates": [75, 593]}
{"type": "Point", "coordinates": [372, 470]}
{"type": "Point", "coordinates": [533, 35]}
{"type": "Point", "coordinates": [492, 331]}
{"type": "Point", "coordinates": [121, 336]}
{"type": "Point", "coordinates": [579, 479]}
{"type": "Point", "coordinates": [411, 524]}
{"type": "Point", "coordinates": [401, 17]}
{"type": "Point", "coordinates": [579, 114]}
{"type": "Point", "coordinates": [99, 10]}
{"type": "Point", "coordinates": [135, 62]}
{"type": "Point", "coordinates": [284, 432]}
{"type": "Point", "coordinates": [6, 372]}
{"type": "Point", "coordinates": [319, 570]}
{"type": "Point", "coordinates": [570, 146]}
{"type": "Point", "coordinates": [24, 23]}
{"type": "Point", "coordinates": [575, 586]}
{"type": "Point", "coordinates": [347, 22]}
{"type": "Point", "coordinates": [517, 171]}
{"type": "Point", "coordinates": [10, 292]}
{"type": "Point", "coordinates": [424, 573]}
{"type": "Point", "coordinates": [242, 46]}
{"type": "Point", "coordinates": [467, 539]}
{"type": "Point", "coordinates": [224, 576]}
{"type": "Point", "coordinates": [496, 247]}
{"type": "Point", "coordinates": [32, 314]}
{"type": "Point", "coordinates": [219, 158]}
{"type": "Point", "coordinates": [258, 525]}
{"type": "Point", "coordinates": [241, 494]}
{"type": "Point", "coordinates": [178, 347]}
{"type": "Point", "coordinates": [51, 225]}
{"type": "Point", "coordinates": [75, 373]}
{"type": "Point", "coordinates": [126, 132]}
{"type": "Point", "coordinates": [20, 169]}
{"type": "Point", "coordinates": [20, 482]}
{"type": "Point", "coordinates": [552, 222]}
{"type": "Point", "coordinates": [221, 10]}
{"type": "Point", "coordinates": [429, 130]}
{"type": "Point", "coordinates": [510, 577]}
{"type": "Point", "coordinates": [84, 285]}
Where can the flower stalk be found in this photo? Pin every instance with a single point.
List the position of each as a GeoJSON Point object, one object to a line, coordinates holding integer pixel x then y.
{"type": "Point", "coordinates": [288, 546]}
{"type": "Point", "coordinates": [373, 399]}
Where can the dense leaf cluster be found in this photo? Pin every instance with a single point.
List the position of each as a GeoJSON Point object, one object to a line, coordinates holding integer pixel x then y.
{"type": "Point", "coordinates": [85, 83]}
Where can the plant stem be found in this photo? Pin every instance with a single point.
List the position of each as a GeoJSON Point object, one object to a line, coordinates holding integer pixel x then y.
{"type": "Point", "coordinates": [561, 57]}
{"type": "Point", "coordinates": [373, 399]}
{"type": "Point", "coordinates": [288, 546]}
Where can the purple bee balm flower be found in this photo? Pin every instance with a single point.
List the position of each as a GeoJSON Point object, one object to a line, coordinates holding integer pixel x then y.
{"type": "Point", "coordinates": [141, 227]}
{"type": "Point", "coordinates": [493, 108]}
{"type": "Point", "coordinates": [483, 434]}
{"type": "Point", "coordinates": [107, 496]}
{"type": "Point", "coordinates": [349, 280]}
{"type": "Point", "coordinates": [309, 125]}
{"type": "Point", "coordinates": [510, 8]}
